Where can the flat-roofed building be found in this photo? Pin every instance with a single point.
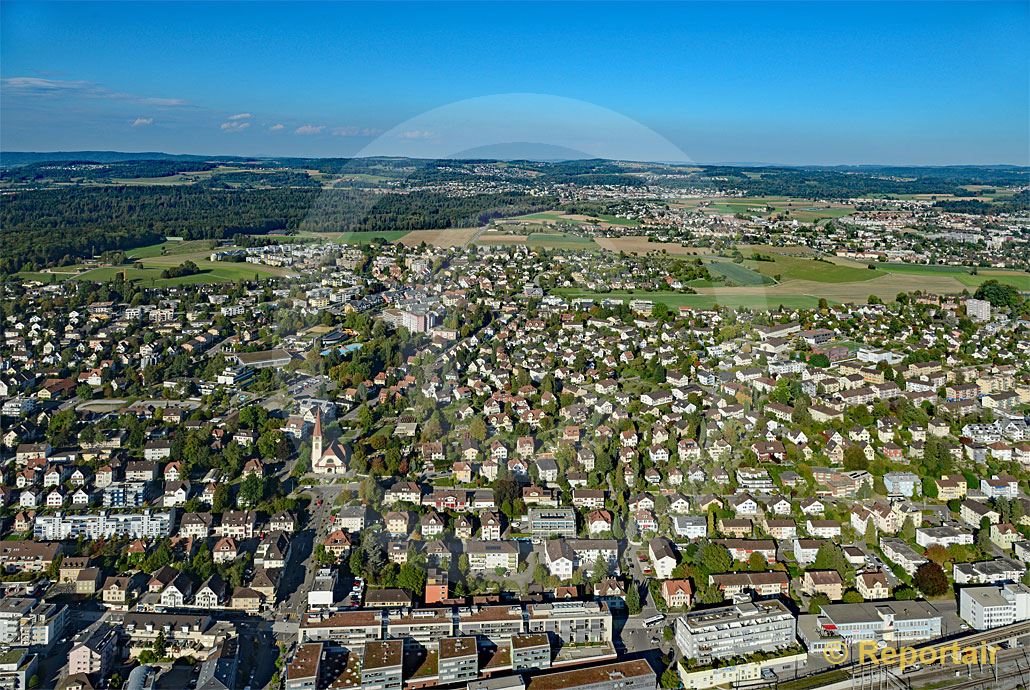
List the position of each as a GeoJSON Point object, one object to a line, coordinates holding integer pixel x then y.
{"type": "Point", "coordinates": [458, 660]}
{"type": "Point", "coordinates": [350, 629]}
{"type": "Point", "coordinates": [736, 630]}
{"type": "Point", "coordinates": [889, 621]}
{"type": "Point", "coordinates": [421, 625]}
{"type": "Point", "coordinates": [530, 651]}
{"type": "Point", "coordinates": [636, 674]}
{"type": "Point", "coordinates": [995, 571]}
{"type": "Point", "coordinates": [573, 622]}
{"type": "Point", "coordinates": [382, 665]}
{"type": "Point", "coordinates": [485, 556]}
{"type": "Point", "coordinates": [545, 522]}
{"type": "Point", "coordinates": [495, 624]}
{"type": "Point", "coordinates": [992, 607]}
{"type": "Point", "coordinates": [769, 584]}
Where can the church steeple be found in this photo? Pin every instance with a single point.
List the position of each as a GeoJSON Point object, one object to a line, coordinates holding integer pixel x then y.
{"type": "Point", "coordinates": [316, 438]}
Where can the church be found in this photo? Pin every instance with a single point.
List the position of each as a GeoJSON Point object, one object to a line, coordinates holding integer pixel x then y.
{"type": "Point", "coordinates": [331, 460]}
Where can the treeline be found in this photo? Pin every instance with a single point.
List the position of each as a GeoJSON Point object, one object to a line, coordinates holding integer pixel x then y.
{"type": "Point", "coordinates": [840, 184]}
{"type": "Point", "coordinates": [59, 226]}
{"type": "Point", "coordinates": [1015, 204]}
{"type": "Point", "coordinates": [88, 171]}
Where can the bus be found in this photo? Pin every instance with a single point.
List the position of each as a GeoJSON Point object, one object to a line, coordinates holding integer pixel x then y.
{"type": "Point", "coordinates": [653, 620]}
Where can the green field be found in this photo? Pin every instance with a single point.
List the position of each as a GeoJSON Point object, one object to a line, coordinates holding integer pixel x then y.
{"type": "Point", "coordinates": [803, 210]}
{"type": "Point", "coordinates": [674, 299]}
{"type": "Point", "coordinates": [799, 268]}
{"type": "Point", "coordinates": [1019, 280]}
{"type": "Point", "coordinates": [171, 247]}
{"type": "Point", "coordinates": [211, 272]}
{"type": "Point", "coordinates": [739, 274]}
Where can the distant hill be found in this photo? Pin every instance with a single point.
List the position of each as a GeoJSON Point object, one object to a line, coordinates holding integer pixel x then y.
{"type": "Point", "coordinates": [11, 158]}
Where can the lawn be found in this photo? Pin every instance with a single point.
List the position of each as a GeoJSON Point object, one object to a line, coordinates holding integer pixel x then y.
{"type": "Point", "coordinates": [738, 274]}
{"type": "Point", "coordinates": [675, 299]}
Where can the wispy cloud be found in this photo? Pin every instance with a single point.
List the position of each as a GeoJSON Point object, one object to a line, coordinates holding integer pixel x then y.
{"type": "Point", "coordinates": [309, 129]}
{"type": "Point", "coordinates": [240, 116]}
{"type": "Point", "coordinates": [351, 131]}
{"type": "Point", "coordinates": [416, 134]}
{"type": "Point", "coordinates": [39, 87]}
{"type": "Point", "coordinates": [278, 127]}
{"type": "Point", "coordinates": [143, 122]}
{"type": "Point", "coordinates": [165, 102]}
{"type": "Point", "coordinates": [234, 126]}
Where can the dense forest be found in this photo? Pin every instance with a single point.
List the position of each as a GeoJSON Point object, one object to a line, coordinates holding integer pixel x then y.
{"type": "Point", "coordinates": [48, 226]}
{"type": "Point", "coordinates": [1015, 204]}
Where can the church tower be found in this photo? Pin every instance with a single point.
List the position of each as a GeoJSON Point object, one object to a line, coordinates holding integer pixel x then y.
{"type": "Point", "coordinates": [316, 438]}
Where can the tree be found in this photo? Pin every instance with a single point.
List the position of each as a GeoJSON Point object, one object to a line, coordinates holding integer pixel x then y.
{"type": "Point", "coordinates": [938, 554]}
{"type": "Point", "coordinates": [931, 579]}
{"type": "Point", "coordinates": [412, 577]}
{"type": "Point", "coordinates": [830, 557]}
{"type": "Point", "coordinates": [852, 597]}
{"type": "Point", "coordinates": [817, 602]}
{"type": "Point", "coordinates": [904, 593]}
{"type": "Point", "coordinates": [633, 599]}
{"type": "Point", "coordinates": [221, 500]}
{"type": "Point", "coordinates": [855, 459]}
{"type": "Point", "coordinates": [477, 429]}
{"type": "Point", "coordinates": [252, 490]}
{"type": "Point", "coordinates": [983, 535]}
{"type": "Point", "coordinates": [160, 646]}
{"type": "Point", "coordinates": [998, 294]}
{"type": "Point", "coordinates": [670, 679]}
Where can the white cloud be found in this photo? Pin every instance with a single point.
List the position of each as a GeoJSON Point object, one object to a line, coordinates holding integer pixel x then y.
{"type": "Point", "coordinates": [234, 126]}
{"type": "Point", "coordinates": [309, 129]}
{"type": "Point", "coordinates": [143, 122]}
{"type": "Point", "coordinates": [276, 127]}
{"type": "Point", "coordinates": [352, 131]}
{"type": "Point", "coordinates": [241, 116]}
{"type": "Point", "coordinates": [416, 134]}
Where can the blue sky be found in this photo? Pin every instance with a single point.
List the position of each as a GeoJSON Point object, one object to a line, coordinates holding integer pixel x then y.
{"type": "Point", "coordinates": [824, 83]}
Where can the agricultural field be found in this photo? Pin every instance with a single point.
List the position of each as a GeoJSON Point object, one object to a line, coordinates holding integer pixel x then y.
{"type": "Point", "coordinates": [1017, 279]}
{"type": "Point", "coordinates": [803, 210]}
{"type": "Point", "coordinates": [739, 274]}
{"type": "Point", "coordinates": [723, 297]}
{"type": "Point", "coordinates": [448, 237]}
{"type": "Point", "coordinates": [562, 217]}
{"type": "Point", "coordinates": [541, 239]}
